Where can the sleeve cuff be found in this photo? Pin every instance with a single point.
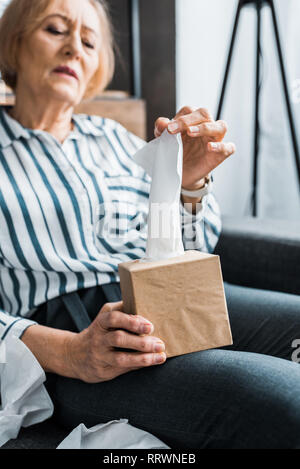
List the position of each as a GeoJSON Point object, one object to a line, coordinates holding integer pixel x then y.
{"type": "Point", "coordinates": [190, 217]}
{"type": "Point", "coordinates": [15, 326]}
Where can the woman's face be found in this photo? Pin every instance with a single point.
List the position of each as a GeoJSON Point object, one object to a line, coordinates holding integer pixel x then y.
{"type": "Point", "coordinates": [61, 56]}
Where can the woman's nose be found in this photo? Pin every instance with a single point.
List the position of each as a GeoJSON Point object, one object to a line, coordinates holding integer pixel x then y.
{"type": "Point", "coordinates": [73, 47]}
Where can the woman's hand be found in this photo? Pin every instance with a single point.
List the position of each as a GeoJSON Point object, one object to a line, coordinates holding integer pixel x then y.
{"type": "Point", "coordinates": [93, 355]}
{"type": "Point", "coordinates": [203, 147]}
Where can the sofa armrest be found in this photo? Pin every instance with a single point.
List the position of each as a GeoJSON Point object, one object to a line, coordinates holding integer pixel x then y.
{"type": "Point", "coordinates": [261, 253]}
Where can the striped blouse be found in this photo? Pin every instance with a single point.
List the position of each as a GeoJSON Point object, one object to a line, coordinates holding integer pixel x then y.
{"type": "Point", "coordinates": [71, 212]}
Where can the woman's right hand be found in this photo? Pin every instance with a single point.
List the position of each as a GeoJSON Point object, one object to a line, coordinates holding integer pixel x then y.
{"type": "Point", "coordinates": [93, 353]}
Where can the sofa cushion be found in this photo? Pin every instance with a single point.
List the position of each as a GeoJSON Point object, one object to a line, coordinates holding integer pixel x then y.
{"type": "Point", "coordinates": [261, 253]}
{"type": "Point", "coordinates": [46, 435]}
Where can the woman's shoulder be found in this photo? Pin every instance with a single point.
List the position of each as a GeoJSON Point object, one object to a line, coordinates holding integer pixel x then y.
{"type": "Point", "coordinates": [98, 125]}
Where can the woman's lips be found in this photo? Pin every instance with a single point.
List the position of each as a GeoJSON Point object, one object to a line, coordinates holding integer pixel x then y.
{"type": "Point", "coordinates": [66, 71]}
{"type": "Point", "coordinates": [64, 74]}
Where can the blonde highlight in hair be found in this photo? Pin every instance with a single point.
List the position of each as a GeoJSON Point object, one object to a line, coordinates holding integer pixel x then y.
{"type": "Point", "coordinates": [21, 18]}
{"type": "Point", "coordinates": [106, 68]}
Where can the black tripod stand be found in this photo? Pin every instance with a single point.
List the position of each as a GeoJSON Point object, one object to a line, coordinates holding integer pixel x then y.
{"type": "Point", "coordinates": [259, 4]}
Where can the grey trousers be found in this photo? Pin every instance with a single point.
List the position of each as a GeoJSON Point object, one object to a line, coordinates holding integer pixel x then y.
{"type": "Point", "coordinates": [243, 396]}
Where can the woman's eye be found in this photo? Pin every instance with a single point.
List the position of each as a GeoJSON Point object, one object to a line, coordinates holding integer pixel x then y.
{"type": "Point", "coordinates": [56, 32]}
{"type": "Point", "coordinates": [53, 30]}
{"type": "Point", "coordinates": [88, 44]}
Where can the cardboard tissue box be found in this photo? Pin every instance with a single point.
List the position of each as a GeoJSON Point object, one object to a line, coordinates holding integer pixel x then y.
{"type": "Point", "coordinates": [183, 297]}
{"type": "Point", "coordinates": [180, 292]}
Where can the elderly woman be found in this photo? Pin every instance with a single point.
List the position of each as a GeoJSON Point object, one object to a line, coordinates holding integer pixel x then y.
{"type": "Point", "coordinates": [59, 287]}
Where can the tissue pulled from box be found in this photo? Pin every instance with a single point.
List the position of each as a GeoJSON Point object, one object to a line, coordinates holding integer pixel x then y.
{"type": "Point", "coordinates": [162, 159]}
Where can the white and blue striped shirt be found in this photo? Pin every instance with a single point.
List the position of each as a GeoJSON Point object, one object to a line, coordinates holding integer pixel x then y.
{"type": "Point", "coordinates": [71, 212]}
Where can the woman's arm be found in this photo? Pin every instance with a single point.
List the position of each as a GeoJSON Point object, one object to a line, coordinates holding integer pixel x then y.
{"type": "Point", "coordinates": [201, 230]}
{"type": "Point", "coordinates": [50, 347]}
{"type": "Point", "coordinates": [93, 355]}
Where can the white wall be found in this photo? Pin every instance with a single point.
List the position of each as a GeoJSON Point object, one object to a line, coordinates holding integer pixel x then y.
{"type": "Point", "coordinates": [203, 33]}
{"type": "Point", "coordinates": [3, 4]}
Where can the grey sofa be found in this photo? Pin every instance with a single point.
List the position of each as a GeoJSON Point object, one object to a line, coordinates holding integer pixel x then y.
{"type": "Point", "coordinates": [257, 253]}
{"type": "Point", "coordinates": [262, 254]}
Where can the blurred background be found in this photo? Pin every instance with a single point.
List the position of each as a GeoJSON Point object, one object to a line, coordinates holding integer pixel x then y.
{"type": "Point", "coordinates": [203, 36]}
{"type": "Point", "coordinates": [172, 53]}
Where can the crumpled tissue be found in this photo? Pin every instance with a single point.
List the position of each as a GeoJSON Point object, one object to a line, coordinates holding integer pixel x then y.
{"type": "Point", "coordinates": [25, 400]}
{"type": "Point", "coordinates": [116, 434]}
{"type": "Point", "coordinates": [162, 159]}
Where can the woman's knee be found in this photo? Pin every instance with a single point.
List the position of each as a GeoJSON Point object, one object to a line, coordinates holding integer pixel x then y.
{"type": "Point", "coordinates": [244, 399]}
{"type": "Point", "coordinates": [263, 400]}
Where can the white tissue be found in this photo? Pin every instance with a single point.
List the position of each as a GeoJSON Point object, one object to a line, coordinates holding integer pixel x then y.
{"type": "Point", "coordinates": [162, 159]}
{"type": "Point", "coordinates": [25, 400]}
{"type": "Point", "coordinates": [116, 434]}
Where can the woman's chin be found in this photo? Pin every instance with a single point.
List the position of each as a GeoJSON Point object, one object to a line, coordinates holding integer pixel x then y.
{"type": "Point", "coordinates": [65, 93]}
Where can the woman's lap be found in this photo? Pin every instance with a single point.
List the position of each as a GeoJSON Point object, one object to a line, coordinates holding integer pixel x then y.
{"type": "Point", "coordinates": [215, 398]}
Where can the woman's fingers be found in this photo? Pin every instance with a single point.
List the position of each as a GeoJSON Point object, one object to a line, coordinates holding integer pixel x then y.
{"type": "Point", "coordinates": [133, 360]}
{"type": "Point", "coordinates": [160, 126]}
{"type": "Point", "coordinates": [215, 130]}
{"type": "Point", "coordinates": [109, 307]}
{"type": "Point", "coordinates": [184, 111]}
{"type": "Point", "coordinates": [123, 339]}
{"type": "Point", "coordinates": [223, 149]}
{"type": "Point", "coordinates": [162, 122]}
{"type": "Point", "coordinates": [110, 318]}
{"type": "Point", "coordinates": [184, 120]}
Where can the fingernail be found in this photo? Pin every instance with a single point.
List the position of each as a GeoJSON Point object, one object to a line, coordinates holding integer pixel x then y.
{"type": "Point", "coordinates": [159, 347]}
{"type": "Point", "coordinates": [160, 358]}
{"type": "Point", "coordinates": [173, 126]}
{"type": "Point", "coordinates": [146, 328]}
{"type": "Point", "coordinates": [194, 129]}
{"type": "Point", "coordinates": [214, 146]}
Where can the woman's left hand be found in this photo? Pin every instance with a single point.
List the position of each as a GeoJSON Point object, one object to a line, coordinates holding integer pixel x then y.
{"type": "Point", "coordinates": [203, 146]}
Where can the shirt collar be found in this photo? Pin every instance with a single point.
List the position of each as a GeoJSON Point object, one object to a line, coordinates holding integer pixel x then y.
{"type": "Point", "coordinates": [84, 125]}
{"type": "Point", "coordinates": [11, 130]}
